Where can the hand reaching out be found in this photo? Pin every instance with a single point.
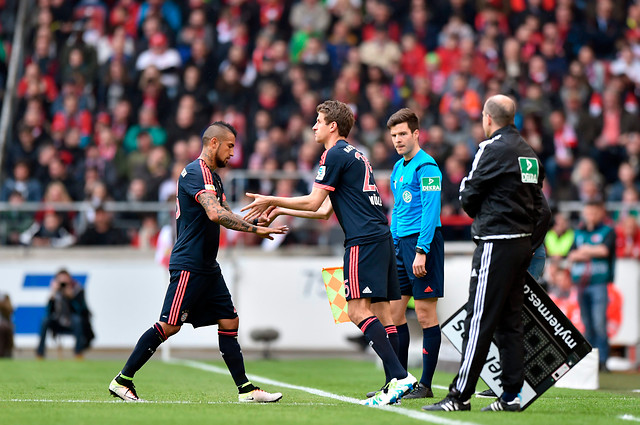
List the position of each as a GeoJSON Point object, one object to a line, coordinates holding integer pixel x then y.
{"type": "Point", "coordinates": [268, 216]}
{"type": "Point", "coordinates": [257, 207]}
{"type": "Point", "coordinates": [266, 232]}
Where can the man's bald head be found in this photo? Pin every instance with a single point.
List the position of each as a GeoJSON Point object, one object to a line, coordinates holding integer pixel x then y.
{"type": "Point", "coordinates": [220, 130]}
{"type": "Point", "coordinates": [501, 108]}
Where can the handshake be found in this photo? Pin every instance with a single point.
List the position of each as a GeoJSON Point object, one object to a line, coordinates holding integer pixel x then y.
{"type": "Point", "coordinates": [261, 214]}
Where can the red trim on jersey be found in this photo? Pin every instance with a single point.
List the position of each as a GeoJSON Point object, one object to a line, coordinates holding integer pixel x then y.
{"type": "Point", "coordinates": [324, 186]}
{"type": "Point", "coordinates": [369, 321]}
{"type": "Point", "coordinates": [391, 330]}
{"type": "Point", "coordinates": [354, 283]}
{"type": "Point", "coordinates": [206, 173]}
{"type": "Point", "coordinates": [323, 157]}
{"type": "Point", "coordinates": [178, 297]}
{"type": "Point", "coordinates": [205, 190]}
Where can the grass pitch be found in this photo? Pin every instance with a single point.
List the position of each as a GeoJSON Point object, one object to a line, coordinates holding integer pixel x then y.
{"type": "Point", "coordinates": [70, 392]}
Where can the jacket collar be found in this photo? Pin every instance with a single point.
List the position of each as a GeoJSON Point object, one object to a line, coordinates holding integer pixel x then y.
{"type": "Point", "coordinates": [509, 128]}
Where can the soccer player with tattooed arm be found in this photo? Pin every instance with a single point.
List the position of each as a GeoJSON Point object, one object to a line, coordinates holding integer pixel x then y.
{"type": "Point", "coordinates": [197, 292]}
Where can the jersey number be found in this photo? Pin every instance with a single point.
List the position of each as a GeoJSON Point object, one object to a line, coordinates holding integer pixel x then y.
{"type": "Point", "coordinates": [368, 186]}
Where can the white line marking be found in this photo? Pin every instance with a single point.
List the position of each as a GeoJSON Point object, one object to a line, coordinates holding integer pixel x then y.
{"type": "Point", "coordinates": [635, 391]}
{"type": "Point", "coordinates": [414, 414]}
{"type": "Point", "coordinates": [629, 418]}
{"type": "Point", "coordinates": [34, 400]}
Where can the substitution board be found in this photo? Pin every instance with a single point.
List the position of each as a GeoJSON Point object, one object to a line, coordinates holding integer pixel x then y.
{"type": "Point", "coordinates": [552, 344]}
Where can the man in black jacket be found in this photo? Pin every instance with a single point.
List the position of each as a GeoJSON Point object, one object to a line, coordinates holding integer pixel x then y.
{"type": "Point", "coordinates": [503, 193]}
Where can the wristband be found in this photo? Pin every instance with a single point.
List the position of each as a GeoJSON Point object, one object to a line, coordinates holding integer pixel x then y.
{"type": "Point", "coordinates": [420, 251]}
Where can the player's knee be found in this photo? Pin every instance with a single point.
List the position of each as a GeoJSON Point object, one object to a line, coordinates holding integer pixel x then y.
{"type": "Point", "coordinates": [426, 312]}
{"type": "Point", "coordinates": [169, 330]}
{"type": "Point", "coordinates": [359, 310]}
{"type": "Point", "coordinates": [229, 323]}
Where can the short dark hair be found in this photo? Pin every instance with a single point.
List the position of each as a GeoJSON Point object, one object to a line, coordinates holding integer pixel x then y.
{"type": "Point", "coordinates": [501, 114]}
{"type": "Point", "coordinates": [404, 115]}
{"type": "Point", "coordinates": [334, 110]}
{"type": "Point", "coordinates": [226, 125]}
{"type": "Point", "coordinates": [217, 129]}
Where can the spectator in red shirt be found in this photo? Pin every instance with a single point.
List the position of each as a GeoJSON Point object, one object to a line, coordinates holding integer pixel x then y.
{"type": "Point", "coordinates": [33, 83]}
{"type": "Point", "coordinates": [413, 53]}
{"type": "Point", "coordinates": [72, 118]}
{"type": "Point", "coordinates": [461, 99]}
{"type": "Point", "coordinates": [628, 238]}
{"type": "Point", "coordinates": [125, 13]}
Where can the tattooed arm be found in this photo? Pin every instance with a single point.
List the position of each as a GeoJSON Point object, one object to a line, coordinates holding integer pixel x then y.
{"type": "Point", "coordinates": [222, 215]}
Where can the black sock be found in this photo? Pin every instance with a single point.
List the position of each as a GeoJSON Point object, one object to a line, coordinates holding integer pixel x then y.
{"type": "Point", "coordinates": [146, 346]}
{"type": "Point", "coordinates": [431, 339]}
{"type": "Point", "coordinates": [377, 337]}
{"type": "Point", "coordinates": [247, 388]}
{"type": "Point", "coordinates": [403, 344]}
{"type": "Point", "coordinates": [232, 356]}
{"type": "Point", "coordinates": [392, 334]}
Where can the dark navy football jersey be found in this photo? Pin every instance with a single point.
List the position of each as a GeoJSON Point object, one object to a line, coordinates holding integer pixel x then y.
{"type": "Point", "coordinates": [347, 174]}
{"type": "Point", "coordinates": [198, 237]}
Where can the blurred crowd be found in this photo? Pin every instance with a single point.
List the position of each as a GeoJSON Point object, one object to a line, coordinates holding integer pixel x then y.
{"type": "Point", "coordinates": [114, 94]}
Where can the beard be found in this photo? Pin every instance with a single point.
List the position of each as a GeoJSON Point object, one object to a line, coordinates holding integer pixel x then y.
{"type": "Point", "coordinates": [219, 161]}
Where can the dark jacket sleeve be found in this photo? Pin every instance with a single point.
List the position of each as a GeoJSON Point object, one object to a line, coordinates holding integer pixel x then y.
{"type": "Point", "coordinates": [79, 304]}
{"type": "Point", "coordinates": [486, 166]}
{"type": "Point", "coordinates": [542, 224]}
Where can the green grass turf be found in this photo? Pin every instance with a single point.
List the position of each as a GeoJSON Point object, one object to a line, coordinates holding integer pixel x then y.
{"type": "Point", "coordinates": [213, 399]}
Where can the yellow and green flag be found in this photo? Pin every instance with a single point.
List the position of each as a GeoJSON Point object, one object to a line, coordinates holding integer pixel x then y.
{"type": "Point", "coordinates": [334, 284]}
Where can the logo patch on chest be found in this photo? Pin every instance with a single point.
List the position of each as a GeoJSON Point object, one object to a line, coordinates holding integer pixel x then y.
{"type": "Point", "coordinates": [528, 169]}
{"type": "Point", "coordinates": [406, 196]}
{"type": "Point", "coordinates": [430, 184]}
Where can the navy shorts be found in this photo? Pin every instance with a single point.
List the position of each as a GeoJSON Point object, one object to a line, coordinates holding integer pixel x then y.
{"type": "Point", "coordinates": [199, 299]}
{"type": "Point", "coordinates": [370, 272]}
{"type": "Point", "coordinates": [429, 286]}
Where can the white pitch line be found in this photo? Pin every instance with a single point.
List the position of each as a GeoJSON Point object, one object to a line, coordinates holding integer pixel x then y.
{"type": "Point", "coordinates": [414, 414]}
{"type": "Point", "coordinates": [35, 400]}
{"type": "Point", "coordinates": [629, 418]}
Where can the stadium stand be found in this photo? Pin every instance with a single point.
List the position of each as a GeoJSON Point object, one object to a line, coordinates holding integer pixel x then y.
{"type": "Point", "coordinates": [111, 95]}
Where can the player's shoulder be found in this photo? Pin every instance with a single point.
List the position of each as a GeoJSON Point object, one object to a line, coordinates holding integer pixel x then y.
{"type": "Point", "coordinates": [340, 151]}
{"type": "Point", "coordinates": [193, 166]}
{"type": "Point", "coordinates": [425, 163]}
{"type": "Point", "coordinates": [192, 171]}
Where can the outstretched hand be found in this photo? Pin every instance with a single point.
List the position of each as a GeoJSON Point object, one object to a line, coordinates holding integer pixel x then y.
{"type": "Point", "coordinates": [268, 216]}
{"type": "Point", "coordinates": [266, 232]}
{"type": "Point", "coordinates": [257, 207]}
